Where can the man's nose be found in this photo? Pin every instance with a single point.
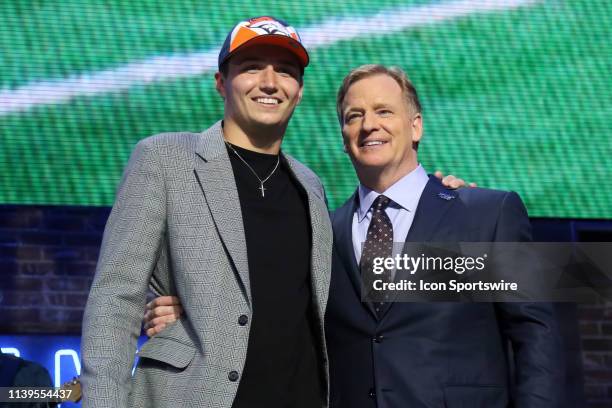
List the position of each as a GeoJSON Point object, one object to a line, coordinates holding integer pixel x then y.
{"type": "Point", "coordinates": [268, 81]}
{"type": "Point", "coordinates": [370, 122]}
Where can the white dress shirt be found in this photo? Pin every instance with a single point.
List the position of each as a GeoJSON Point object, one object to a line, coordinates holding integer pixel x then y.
{"type": "Point", "coordinates": [404, 194]}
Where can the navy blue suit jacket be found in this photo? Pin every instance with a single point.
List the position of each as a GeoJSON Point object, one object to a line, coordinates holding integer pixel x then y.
{"type": "Point", "coordinates": [442, 355]}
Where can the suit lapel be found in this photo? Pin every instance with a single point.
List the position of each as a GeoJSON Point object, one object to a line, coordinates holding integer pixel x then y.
{"type": "Point", "coordinates": [434, 204]}
{"type": "Point", "coordinates": [216, 177]}
{"type": "Point", "coordinates": [321, 237]}
{"type": "Point", "coordinates": [344, 245]}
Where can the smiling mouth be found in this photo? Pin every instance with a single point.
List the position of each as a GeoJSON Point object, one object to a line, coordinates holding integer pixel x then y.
{"type": "Point", "coordinates": [372, 143]}
{"type": "Point", "coordinates": [267, 101]}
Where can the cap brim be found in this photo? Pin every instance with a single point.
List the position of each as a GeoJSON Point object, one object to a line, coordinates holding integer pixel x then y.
{"type": "Point", "coordinates": [278, 40]}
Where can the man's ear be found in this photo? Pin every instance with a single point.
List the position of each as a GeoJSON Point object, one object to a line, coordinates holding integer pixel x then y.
{"type": "Point", "coordinates": [300, 93]}
{"type": "Point", "coordinates": [220, 84]}
{"type": "Point", "coordinates": [417, 128]}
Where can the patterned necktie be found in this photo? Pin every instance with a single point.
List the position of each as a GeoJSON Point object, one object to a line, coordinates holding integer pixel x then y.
{"type": "Point", "coordinates": [379, 243]}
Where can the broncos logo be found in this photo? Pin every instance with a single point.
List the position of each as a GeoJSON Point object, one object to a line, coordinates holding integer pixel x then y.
{"type": "Point", "coordinates": [268, 28]}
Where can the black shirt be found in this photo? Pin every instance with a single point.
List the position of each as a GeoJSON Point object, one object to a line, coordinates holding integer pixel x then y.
{"type": "Point", "coordinates": [281, 368]}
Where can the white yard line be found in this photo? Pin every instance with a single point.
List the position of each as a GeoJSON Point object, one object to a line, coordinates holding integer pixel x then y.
{"type": "Point", "coordinates": [164, 68]}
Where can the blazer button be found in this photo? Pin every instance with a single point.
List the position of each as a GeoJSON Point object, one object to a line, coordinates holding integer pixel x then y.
{"type": "Point", "coordinates": [372, 393]}
{"type": "Point", "coordinates": [243, 320]}
{"type": "Point", "coordinates": [379, 338]}
{"type": "Point", "coordinates": [233, 376]}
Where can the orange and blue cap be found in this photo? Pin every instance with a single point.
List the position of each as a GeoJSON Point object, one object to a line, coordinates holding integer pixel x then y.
{"type": "Point", "coordinates": [263, 30]}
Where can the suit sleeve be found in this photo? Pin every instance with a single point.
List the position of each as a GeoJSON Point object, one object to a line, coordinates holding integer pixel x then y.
{"type": "Point", "coordinates": [129, 252]}
{"type": "Point", "coordinates": [531, 328]}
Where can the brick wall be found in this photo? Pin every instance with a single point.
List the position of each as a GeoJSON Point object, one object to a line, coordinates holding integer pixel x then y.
{"type": "Point", "coordinates": [596, 338]}
{"type": "Point", "coordinates": [47, 261]}
{"type": "Point", "coordinates": [48, 257]}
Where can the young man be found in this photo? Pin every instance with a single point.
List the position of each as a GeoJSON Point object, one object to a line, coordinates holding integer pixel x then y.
{"type": "Point", "coordinates": [239, 232]}
{"type": "Point", "coordinates": [390, 355]}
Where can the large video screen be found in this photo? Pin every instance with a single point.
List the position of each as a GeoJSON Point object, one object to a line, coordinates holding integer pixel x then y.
{"type": "Point", "coordinates": [516, 93]}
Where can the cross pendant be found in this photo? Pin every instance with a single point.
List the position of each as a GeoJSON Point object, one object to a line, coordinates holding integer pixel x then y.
{"type": "Point", "coordinates": [262, 188]}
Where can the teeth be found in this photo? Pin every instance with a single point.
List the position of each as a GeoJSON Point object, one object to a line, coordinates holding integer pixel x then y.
{"type": "Point", "coordinates": [267, 101]}
{"type": "Point", "coordinates": [373, 143]}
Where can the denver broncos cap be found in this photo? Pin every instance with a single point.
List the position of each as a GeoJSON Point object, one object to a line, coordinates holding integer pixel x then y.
{"type": "Point", "coordinates": [263, 30]}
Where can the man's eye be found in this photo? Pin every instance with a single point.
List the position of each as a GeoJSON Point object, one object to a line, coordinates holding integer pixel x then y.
{"type": "Point", "coordinates": [384, 112]}
{"type": "Point", "coordinates": [287, 71]}
{"type": "Point", "coordinates": [351, 117]}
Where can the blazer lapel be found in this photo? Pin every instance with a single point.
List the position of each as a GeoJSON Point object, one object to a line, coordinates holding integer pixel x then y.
{"type": "Point", "coordinates": [320, 261]}
{"type": "Point", "coordinates": [344, 245]}
{"type": "Point", "coordinates": [214, 173]}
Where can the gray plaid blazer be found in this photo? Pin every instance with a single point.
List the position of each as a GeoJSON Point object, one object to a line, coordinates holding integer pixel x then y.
{"type": "Point", "coordinates": [176, 227]}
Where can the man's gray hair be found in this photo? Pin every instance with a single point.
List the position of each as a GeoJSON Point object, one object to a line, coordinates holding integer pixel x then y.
{"type": "Point", "coordinates": [365, 71]}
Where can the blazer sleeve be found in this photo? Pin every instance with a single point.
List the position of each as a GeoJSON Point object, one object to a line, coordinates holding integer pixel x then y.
{"type": "Point", "coordinates": [531, 328]}
{"type": "Point", "coordinates": [130, 249]}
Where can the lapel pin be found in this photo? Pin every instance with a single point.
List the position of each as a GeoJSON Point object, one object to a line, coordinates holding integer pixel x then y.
{"type": "Point", "coordinates": [446, 196]}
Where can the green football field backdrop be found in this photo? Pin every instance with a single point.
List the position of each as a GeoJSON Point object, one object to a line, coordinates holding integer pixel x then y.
{"type": "Point", "coordinates": [517, 94]}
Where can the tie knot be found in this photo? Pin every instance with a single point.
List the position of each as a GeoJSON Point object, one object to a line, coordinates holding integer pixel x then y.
{"type": "Point", "coordinates": [381, 202]}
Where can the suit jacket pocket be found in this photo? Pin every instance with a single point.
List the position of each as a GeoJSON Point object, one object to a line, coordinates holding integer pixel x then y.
{"type": "Point", "coordinates": [475, 396]}
{"type": "Point", "coordinates": [169, 351]}
{"type": "Point", "coordinates": [172, 346]}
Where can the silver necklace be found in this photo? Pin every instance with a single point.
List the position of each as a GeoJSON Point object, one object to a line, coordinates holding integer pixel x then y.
{"type": "Point", "coordinates": [261, 182]}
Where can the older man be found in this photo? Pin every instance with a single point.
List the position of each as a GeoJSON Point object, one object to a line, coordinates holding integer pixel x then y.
{"type": "Point", "coordinates": [424, 354]}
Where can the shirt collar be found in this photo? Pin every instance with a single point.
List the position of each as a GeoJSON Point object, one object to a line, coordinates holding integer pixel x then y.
{"type": "Point", "coordinates": [405, 192]}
